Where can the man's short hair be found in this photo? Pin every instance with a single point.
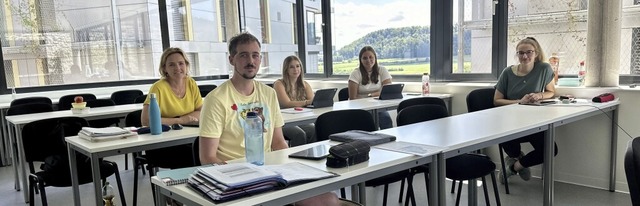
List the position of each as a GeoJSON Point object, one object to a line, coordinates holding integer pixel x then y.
{"type": "Point", "coordinates": [242, 38]}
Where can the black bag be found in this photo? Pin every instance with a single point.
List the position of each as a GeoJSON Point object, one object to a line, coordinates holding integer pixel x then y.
{"type": "Point", "coordinates": [370, 137]}
{"type": "Point", "coordinates": [349, 153]}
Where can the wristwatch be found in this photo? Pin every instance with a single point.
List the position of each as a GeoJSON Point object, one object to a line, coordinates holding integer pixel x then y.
{"type": "Point", "coordinates": [369, 95]}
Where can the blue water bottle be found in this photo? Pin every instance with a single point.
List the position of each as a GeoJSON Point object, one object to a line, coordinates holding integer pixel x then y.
{"type": "Point", "coordinates": [253, 140]}
{"type": "Point", "coordinates": [154, 115]}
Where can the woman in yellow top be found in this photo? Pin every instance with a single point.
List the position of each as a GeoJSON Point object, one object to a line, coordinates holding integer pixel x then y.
{"type": "Point", "coordinates": [293, 91]}
{"type": "Point", "coordinates": [180, 102]}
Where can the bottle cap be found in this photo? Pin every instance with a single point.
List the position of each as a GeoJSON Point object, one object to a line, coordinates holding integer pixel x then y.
{"type": "Point", "coordinates": [152, 95]}
{"type": "Point", "coordinates": [426, 73]}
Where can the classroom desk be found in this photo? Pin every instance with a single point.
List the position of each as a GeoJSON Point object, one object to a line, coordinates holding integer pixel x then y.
{"type": "Point", "coordinates": [477, 130]}
{"type": "Point", "coordinates": [18, 121]}
{"type": "Point", "coordinates": [381, 162]}
{"type": "Point", "coordinates": [369, 104]}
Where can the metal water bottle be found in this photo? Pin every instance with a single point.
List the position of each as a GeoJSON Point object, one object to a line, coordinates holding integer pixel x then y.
{"type": "Point", "coordinates": [253, 139]}
{"type": "Point", "coordinates": [154, 115]}
{"type": "Point", "coordinates": [425, 84]}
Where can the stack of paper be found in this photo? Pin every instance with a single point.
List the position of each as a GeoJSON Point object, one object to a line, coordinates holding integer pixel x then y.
{"type": "Point", "coordinates": [232, 181]}
{"type": "Point", "coordinates": [103, 134]}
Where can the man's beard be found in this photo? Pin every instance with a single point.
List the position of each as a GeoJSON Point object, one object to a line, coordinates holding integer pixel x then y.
{"type": "Point", "coordinates": [246, 76]}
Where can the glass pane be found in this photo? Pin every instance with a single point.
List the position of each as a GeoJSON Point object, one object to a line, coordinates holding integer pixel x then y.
{"type": "Point", "coordinates": [472, 36]}
{"type": "Point", "coordinates": [397, 30]}
{"type": "Point", "coordinates": [630, 38]}
{"type": "Point", "coordinates": [314, 37]}
{"type": "Point", "coordinates": [560, 28]}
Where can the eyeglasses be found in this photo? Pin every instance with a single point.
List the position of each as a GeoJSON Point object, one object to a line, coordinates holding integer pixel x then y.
{"type": "Point", "coordinates": [528, 53]}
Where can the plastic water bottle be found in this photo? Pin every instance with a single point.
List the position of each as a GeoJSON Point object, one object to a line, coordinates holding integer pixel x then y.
{"type": "Point", "coordinates": [253, 140]}
{"type": "Point", "coordinates": [154, 115]}
{"type": "Point", "coordinates": [13, 93]}
{"type": "Point", "coordinates": [108, 195]}
{"type": "Point", "coordinates": [425, 84]}
{"type": "Point", "coordinates": [582, 72]}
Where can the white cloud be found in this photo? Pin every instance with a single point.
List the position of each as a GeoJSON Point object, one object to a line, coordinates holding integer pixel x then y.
{"type": "Point", "coordinates": [352, 21]}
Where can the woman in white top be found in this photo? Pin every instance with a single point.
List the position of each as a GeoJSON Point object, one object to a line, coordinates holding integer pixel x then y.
{"type": "Point", "coordinates": [293, 91]}
{"type": "Point", "coordinates": [367, 81]}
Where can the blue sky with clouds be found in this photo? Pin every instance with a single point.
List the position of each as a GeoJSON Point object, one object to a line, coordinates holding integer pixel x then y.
{"type": "Point", "coordinates": [355, 18]}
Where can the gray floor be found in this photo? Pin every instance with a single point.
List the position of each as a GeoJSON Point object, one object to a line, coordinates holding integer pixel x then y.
{"type": "Point", "coordinates": [522, 193]}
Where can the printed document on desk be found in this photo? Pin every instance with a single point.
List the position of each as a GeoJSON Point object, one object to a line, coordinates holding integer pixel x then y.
{"type": "Point", "coordinates": [408, 148]}
{"type": "Point", "coordinates": [294, 111]}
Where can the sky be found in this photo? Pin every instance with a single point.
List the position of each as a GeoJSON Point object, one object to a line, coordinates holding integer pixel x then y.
{"type": "Point", "coordinates": [355, 18]}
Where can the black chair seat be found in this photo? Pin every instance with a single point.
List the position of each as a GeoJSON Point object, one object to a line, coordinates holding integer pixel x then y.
{"type": "Point", "coordinates": [63, 179]}
{"type": "Point", "coordinates": [468, 166]}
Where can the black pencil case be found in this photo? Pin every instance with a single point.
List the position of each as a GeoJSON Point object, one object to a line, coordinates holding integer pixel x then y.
{"type": "Point", "coordinates": [145, 130]}
{"type": "Point", "coordinates": [349, 153]}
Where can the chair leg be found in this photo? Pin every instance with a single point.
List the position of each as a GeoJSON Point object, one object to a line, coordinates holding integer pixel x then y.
{"type": "Point", "coordinates": [453, 186]}
{"type": "Point", "coordinates": [426, 184]}
{"type": "Point", "coordinates": [410, 187]}
{"type": "Point", "coordinates": [119, 181]}
{"type": "Point", "coordinates": [384, 197]}
{"type": "Point", "coordinates": [343, 193]}
{"type": "Point", "coordinates": [459, 192]}
{"type": "Point", "coordinates": [126, 161]}
{"type": "Point", "coordinates": [43, 194]}
{"type": "Point", "coordinates": [504, 170]}
{"type": "Point", "coordinates": [486, 192]}
{"type": "Point", "coordinates": [401, 190]}
{"type": "Point", "coordinates": [495, 188]}
{"type": "Point", "coordinates": [32, 189]}
{"type": "Point", "coordinates": [151, 174]}
{"type": "Point", "coordinates": [135, 184]}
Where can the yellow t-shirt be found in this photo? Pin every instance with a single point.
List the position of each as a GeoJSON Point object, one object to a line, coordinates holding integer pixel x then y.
{"type": "Point", "coordinates": [223, 116]}
{"type": "Point", "coordinates": [170, 104]}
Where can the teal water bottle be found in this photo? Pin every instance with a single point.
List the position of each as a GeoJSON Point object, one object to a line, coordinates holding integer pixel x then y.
{"type": "Point", "coordinates": [154, 115]}
{"type": "Point", "coordinates": [253, 140]}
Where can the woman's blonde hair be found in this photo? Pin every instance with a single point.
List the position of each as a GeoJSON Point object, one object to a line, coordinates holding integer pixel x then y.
{"type": "Point", "coordinates": [168, 52]}
{"type": "Point", "coordinates": [299, 85]}
{"type": "Point", "coordinates": [533, 42]}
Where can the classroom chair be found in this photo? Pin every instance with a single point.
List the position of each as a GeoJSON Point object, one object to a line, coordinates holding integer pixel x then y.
{"type": "Point", "coordinates": [125, 96]}
{"type": "Point", "coordinates": [206, 88]}
{"type": "Point", "coordinates": [140, 99]}
{"type": "Point", "coordinates": [420, 101]}
{"type": "Point", "coordinates": [28, 100]}
{"type": "Point", "coordinates": [632, 170]}
{"type": "Point", "coordinates": [343, 94]}
{"type": "Point", "coordinates": [355, 119]}
{"type": "Point", "coordinates": [481, 99]}
{"type": "Point", "coordinates": [43, 141]}
{"type": "Point", "coordinates": [459, 168]}
{"type": "Point", "coordinates": [65, 101]}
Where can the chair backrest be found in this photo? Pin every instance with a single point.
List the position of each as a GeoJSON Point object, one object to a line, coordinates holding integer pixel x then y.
{"type": "Point", "coordinates": [480, 99]}
{"type": "Point", "coordinates": [65, 101]}
{"type": "Point", "coordinates": [100, 103]}
{"type": "Point", "coordinates": [196, 151]}
{"type": "Point", "coordinates": [126, 96]}
{"type": "Point", "coordinates": [420, 101]}
{"type": "Point", "coordinates": [205, 89]}
{"type": "Point", "coordinates": [133, 119]}
{"type": "Point", "coordinates": [28, 100]}
{"type": "Point", "coordinates": [343, 120]}
{"type": "Point", "coordinates": [421, 113]}
{"type": "Point", "coordinates": [343, 94]}
{"type": "Point", "coordinates": [29, 108]}
{"type": "Point", "coordinates": [270, 84]}
{"type": "Point", "coordinates": [45, 137]}
{"type": "Point", "coordinates": [632, 170]}
{"type": "Point", "coordinates": [141, 99]}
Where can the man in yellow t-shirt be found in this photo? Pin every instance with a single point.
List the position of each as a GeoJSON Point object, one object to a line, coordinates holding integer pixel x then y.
{"type": "Point", "coordinates": [225, 108]}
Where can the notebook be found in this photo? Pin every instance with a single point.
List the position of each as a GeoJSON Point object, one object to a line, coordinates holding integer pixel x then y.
{"type": "Point", "coordinates": [391, 91]}
{"type": "Point", "coordinates": [176, 176]}
{"type": "Point", "coordinates": [323, 98]}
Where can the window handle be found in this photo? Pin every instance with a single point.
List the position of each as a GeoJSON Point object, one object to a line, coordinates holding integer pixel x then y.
{"type": "Point", "coordinates": [493, 7]}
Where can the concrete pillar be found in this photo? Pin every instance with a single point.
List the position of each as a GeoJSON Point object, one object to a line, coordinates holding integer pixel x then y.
{"type": "Point", "coordinates": [603, 42]}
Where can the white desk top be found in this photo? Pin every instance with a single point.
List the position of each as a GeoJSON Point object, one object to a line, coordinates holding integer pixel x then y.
{"type": "Point", "coordinates": [379, 160]}
{"type": "Point", "coordinates": [93, 113]}
{"type": "Point", "coordinates": [144, 139]}
{"type": "Point", "coordinates": [468, 129]}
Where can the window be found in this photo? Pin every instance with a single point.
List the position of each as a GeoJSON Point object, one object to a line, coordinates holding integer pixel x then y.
{"type": "Point", "coordinates": [472, 36]}
{"type": "Point", "coordinates": [399, 31]}
{"type": "Point", "coordinates": [314, 34]}
{"type": "Point", "coordinates": [561, 29]}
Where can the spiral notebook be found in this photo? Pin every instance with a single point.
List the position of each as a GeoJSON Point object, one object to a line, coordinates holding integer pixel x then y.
{"type": "Point", "coordinates": [176, 176]}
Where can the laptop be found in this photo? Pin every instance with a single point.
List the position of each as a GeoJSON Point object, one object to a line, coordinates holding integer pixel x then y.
{"type": "Point", "coordinates": [391, 91]}
{"type": "Point", "coordinates": [323, 98]}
